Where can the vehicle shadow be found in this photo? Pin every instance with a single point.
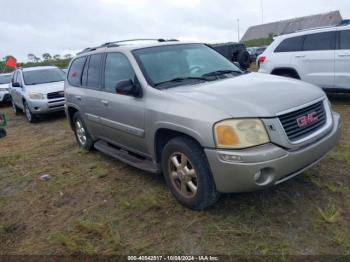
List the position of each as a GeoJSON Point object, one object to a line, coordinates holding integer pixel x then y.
{"type": "Point", "coordinates": [339, 98]}
{"type": "Point", "coordinates": [51, 117]}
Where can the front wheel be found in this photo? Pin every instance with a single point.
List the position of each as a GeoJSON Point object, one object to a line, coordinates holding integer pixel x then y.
{"type": "Point", "coordinates": [29, 115]}
{"type": "Point", "coordinates": [187, 173]}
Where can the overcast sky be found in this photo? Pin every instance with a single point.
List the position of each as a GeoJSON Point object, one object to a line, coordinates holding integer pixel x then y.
{"type": "Point", "coordinates": [67, 26]}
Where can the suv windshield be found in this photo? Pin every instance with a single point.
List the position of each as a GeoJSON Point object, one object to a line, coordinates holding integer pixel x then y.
{"type": "Point", "coordinates": [174, 65]}
{"type": "Point", "coordinates": [5, 79]}
{"type": "Point", "coordinates": [42, 76]}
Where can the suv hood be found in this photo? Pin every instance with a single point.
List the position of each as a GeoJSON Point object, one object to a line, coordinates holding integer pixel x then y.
{"type": "Point", "coordinates": [47, 87]}
{"type": "Point", "coordinates": [4, 85]}
{"type": "Point", "coordinates": [251, 95]}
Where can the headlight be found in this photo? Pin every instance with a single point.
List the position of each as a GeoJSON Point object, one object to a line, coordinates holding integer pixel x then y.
{"type": "Point", "coordinates": [240, 133]}
{"type": "Point", "coordinates": [36, 96]}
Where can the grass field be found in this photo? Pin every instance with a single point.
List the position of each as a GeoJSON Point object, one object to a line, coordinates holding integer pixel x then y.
{"type": "Point", "coordinates": [92, 204]}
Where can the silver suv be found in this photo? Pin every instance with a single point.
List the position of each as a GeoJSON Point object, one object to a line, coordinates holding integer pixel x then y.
{"type": "Point", "coordinates": [37, 91]}
{"type": "Point", "coordinates": [184, 110]}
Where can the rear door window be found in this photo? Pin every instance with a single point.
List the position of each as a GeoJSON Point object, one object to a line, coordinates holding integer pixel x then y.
{"type": "Point", "coordinates": [293, 44]}
{"type": "Point", "coordinates": [345, 39]}
{"type": "Point", "coordinates": [75, 71]}
{"type": "Point", "coordinates": [320, 41]}
{"type": "Point", "coordinates": [94, 71]}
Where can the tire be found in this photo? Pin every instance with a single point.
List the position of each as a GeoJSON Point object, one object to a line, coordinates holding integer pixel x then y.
{"type": "Point", "coordinates": [243, 58]}
{"type": "Point", "coordinates": [289, 75]}
{"type": "Point", "coordinates": [188, 177]}
{"type": "Point", "coordinates": [82, 134]}
{"type": "Point", "coordinates": [31, 118]}
{"type": "Point", "coordinates": [15, 108]}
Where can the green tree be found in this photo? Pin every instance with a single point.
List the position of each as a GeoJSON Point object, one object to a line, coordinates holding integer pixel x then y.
{"type": "Point", "coordinates": [46, 56]}
{"type": "Point", "coordinates": [31, 57]}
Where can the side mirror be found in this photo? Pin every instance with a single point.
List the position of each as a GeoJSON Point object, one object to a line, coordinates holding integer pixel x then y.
{"type": "Point", "coordinates": [16, 84]}
{"type": "Point", "coordinates": [128, 87]}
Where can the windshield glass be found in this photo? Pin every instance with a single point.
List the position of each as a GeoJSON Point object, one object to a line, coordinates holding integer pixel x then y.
{"type": "Point", "coordinates": [43, 76]}
{"type": "Point", "coordinates": [5, 79]}
{"type": "Point", "coordinates": [190, 62]}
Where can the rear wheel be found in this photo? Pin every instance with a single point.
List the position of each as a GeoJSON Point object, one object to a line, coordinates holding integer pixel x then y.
{"type": "Point", "coordinates": [187, 173]}
{"type": "Point", "coordinates": [15, 108]}
{"type": "Point", "coordinates": [82, 135]}
{"type": "Point", "coordinates": [32, 118]}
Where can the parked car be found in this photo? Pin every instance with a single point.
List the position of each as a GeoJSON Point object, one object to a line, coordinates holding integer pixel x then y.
{"type": "Point", "coordinates": [184, 110]}
{"type": "Point", "coordinates": [37, 91]}
{"type": "Point", "coordinates": [254, 52]}
{"type": "Point", "coordinates": [318, 56]}
{"type": "Point", "coordinates": [5, 79]}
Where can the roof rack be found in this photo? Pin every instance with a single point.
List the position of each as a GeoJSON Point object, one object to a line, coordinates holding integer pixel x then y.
{"type": "Point", "coordinates": [115, 43]}
{"type": "Point", "coordinates": [315, 28]}
{"type": "Point", "coordinates": [343, 23]}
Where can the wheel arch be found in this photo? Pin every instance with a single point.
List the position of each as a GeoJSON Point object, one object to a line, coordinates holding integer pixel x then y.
{"type": "Point", "coordinates": [286, 70]}
{"type": "Point", "coordinates": [71, 110]}
{"type": "Point", "coordinates": [164, 134]}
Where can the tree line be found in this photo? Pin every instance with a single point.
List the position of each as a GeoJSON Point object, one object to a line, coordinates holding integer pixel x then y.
{"type": "Point", "coordinates": [46, 59]}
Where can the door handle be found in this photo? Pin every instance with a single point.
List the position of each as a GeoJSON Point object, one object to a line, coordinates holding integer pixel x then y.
{"type": "Point", "coordinates": [78, 98]}
{"type": "Point", "coordinates": [105, 102]}
{"type": "Point", "coordinates": [300, 56]}
{"type": "Point", "coordinates": [344, 55]}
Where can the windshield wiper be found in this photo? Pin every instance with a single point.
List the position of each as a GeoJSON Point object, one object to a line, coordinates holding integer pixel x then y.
{"type": "Point", "coordinates": [181, 79]}
{"type": "Point", "coordinates": [222, 72]}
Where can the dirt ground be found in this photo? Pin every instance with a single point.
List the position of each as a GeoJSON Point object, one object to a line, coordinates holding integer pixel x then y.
{"type": "Point", "coordinates": [92, 204]}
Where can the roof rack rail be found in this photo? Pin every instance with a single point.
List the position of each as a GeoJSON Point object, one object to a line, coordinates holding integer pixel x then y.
{"type": "Point", "coordinates": [115, 43]}
{"type": "Point", "coordinates": [315, 28]}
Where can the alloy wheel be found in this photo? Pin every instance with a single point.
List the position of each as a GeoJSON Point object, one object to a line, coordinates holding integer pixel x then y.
{"type": "Point", "coordinates": [28, 113]}
{"type": "Point", "coordinates": [80, 131]}
{"type": "Point", "coordinates": [182, 174]}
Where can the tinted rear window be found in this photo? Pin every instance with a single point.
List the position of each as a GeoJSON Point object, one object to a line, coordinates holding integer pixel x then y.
{"type": "Point", "coordinates": [345, 39]}
{"type": "Point", "coordinates": [93, 79]}
{"type": "Point", "coordinates": [320, 41]}
{"type": "Point", "coordinates": [293, 44]}
{"type": "Point", "coordinates": [42, 76]}
{"type": "Point", "coordinates": [74, 75]}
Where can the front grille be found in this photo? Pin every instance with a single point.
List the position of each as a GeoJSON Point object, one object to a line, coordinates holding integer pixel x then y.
{"type": "Point", "coordinates": [55, 95]}
{"type": "Point", "coordinates": [294, 130]}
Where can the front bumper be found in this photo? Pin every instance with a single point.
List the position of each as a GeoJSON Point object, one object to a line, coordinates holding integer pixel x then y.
{"type": "Point", "coordinates": [269, 164]}
{"type": "Point", "coordinates": [46, 106]}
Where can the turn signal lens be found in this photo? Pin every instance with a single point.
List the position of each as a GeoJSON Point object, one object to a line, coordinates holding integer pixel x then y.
{"type": "Point", "coordinates": [226, 135]}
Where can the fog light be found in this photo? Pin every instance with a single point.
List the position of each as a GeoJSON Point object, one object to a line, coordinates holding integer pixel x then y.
{"type": "Point", "coordinates": [230, 158]}
{"type": "Point", "coordinates": [264, 177]}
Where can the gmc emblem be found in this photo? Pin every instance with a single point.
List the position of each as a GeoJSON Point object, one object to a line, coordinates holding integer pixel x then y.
{"type": "Point", "coordinates": [307, 120]}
